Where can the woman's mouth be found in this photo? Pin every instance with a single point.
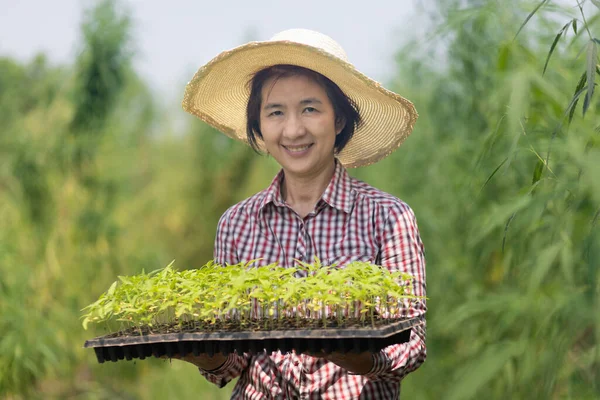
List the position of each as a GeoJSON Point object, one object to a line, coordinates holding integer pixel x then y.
{"type": "Point", "coordinates": [297, 150]}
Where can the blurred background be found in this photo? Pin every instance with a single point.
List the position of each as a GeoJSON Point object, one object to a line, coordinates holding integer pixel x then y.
{"type": "Point", "coordinates": [102, 174]}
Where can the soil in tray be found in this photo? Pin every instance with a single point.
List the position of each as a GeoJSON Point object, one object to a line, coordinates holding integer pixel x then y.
{"type": "Point", "coordinates": [252, 326]}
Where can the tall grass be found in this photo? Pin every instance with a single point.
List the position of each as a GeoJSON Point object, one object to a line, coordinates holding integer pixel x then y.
{"type": "Point", "coordinates": [506, 192]}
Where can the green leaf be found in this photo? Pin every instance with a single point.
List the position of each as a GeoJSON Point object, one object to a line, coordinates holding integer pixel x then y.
{"type": "Point", "coordinates": [537, 172]}
{"type": "Point", "coordinates": [575, 26]}
{"type": "Point", "coordinates": [506, 230]}
{"type": "Point", "coordinates": [592, 57]}
{"type": "Point", "coordinates": [504, 56]}
{"type": "Point", "coordinates": [529, 16]}
{"type": "Point", "coordinates": [578, 91]}
{"type": "Point", "coordinates": [556, 39]}
{"type": "Point", "coordinates": [111, 289]}
{"type": "Point", "coordinates": [494, 173]}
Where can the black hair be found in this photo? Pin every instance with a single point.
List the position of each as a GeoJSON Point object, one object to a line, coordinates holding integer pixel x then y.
{"type": "Point", "coordinates": [345, 109]}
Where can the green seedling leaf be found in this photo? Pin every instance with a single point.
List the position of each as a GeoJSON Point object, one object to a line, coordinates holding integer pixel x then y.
{"type": "Point", "coordinates": [214, 292]}
{"type": "Point", "coordinates": [112, 288]}
{"type": "Point", "coordinates": [592, 58]}
{"type": "Point", "coordinates": [575, 26]}
{"type": "Point", "coordinates": [556, 39]}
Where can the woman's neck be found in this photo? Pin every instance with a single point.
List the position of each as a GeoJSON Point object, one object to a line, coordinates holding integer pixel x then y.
{"type": "Point", "coordinates": [303, 193]}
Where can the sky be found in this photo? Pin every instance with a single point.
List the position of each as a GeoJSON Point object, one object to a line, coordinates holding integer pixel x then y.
{"type": "Point", "coordinates": [174, 38]}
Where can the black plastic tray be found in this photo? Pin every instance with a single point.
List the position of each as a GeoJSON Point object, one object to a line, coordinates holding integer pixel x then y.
{"type": "Point", "coordinates": [341, 339]}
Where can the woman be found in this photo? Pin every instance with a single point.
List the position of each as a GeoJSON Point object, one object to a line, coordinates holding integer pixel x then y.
{"type": "Point", "coordinates": [315, 114]}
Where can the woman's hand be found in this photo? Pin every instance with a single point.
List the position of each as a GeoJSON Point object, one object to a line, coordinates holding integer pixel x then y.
{"type": "Point", "coordinates": [202, 361]}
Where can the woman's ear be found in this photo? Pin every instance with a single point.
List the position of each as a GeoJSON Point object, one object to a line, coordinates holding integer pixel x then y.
{"type": "Point", "coordinates": [340, 124]}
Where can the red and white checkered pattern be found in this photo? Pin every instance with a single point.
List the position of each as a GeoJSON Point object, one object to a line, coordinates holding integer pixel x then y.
{"type": "Point", "coordinates": [352, 222]}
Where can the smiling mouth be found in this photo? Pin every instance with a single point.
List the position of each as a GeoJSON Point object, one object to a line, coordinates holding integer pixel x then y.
{"type": "Point", "coordinates": [297, 149]}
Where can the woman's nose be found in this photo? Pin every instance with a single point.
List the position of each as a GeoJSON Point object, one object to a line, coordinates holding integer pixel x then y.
{"type": "Point", "coordinates": [293, 127]}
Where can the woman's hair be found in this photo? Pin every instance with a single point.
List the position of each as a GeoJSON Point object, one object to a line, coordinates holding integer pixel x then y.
{"type": "Point", "coordinates": [345, 109]}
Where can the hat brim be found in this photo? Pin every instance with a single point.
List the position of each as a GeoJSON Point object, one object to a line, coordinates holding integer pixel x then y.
{"type": "Point", "coordinates": [218, 95]}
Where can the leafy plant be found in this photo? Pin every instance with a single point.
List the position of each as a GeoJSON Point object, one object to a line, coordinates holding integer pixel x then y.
{"type": "Point", "coordinates": [260, 297]}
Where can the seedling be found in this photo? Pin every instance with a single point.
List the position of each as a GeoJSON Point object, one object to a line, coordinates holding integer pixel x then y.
{"type": "Point", "coordinates": [266, 298]}
{"type": "Point", "coordinates": [245, 298]}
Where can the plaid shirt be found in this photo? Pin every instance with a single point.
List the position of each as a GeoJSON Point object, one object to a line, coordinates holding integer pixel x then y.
{"type": "Point", "coordinates": [351, 222]}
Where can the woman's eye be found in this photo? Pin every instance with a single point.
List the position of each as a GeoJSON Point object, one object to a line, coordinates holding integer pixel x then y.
{"type": "Point", "coordinates": [275, 113]}
{"type": "Point", "coordinates": [310, 109]}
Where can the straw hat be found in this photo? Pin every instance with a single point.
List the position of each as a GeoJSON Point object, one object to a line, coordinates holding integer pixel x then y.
{"type": "Point", "coordinates": [218, 93]}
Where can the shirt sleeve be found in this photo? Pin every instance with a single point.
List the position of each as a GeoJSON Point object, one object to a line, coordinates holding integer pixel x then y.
{"type": "Point", "coordinates": [231, 369]}
{"type": "Point", "coordinates": [224, 251]}
{"type": "Point", "coordinates": [402, 250]}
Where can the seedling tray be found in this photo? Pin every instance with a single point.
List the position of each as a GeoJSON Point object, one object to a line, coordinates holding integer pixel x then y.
{"type": "Point", "coordinates": [357, 340]}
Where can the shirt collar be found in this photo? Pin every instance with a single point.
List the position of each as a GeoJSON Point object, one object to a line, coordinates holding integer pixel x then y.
{"type": "Point", "coordinates": [338, 193]}
{"type": "Point", "coordinates": [273, 192]}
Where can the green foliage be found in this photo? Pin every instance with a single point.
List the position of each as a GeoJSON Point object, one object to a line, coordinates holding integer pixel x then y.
{"type": "Point", "coordinates": [214, 293]}
{"type": "Point", "coordinates": [505, 151]}
{"type": "Point", "coordinates": [101, 66]}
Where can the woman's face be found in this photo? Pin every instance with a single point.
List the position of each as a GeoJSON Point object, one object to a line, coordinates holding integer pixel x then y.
{"type": "Point", "coordinates": [297, 123]}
